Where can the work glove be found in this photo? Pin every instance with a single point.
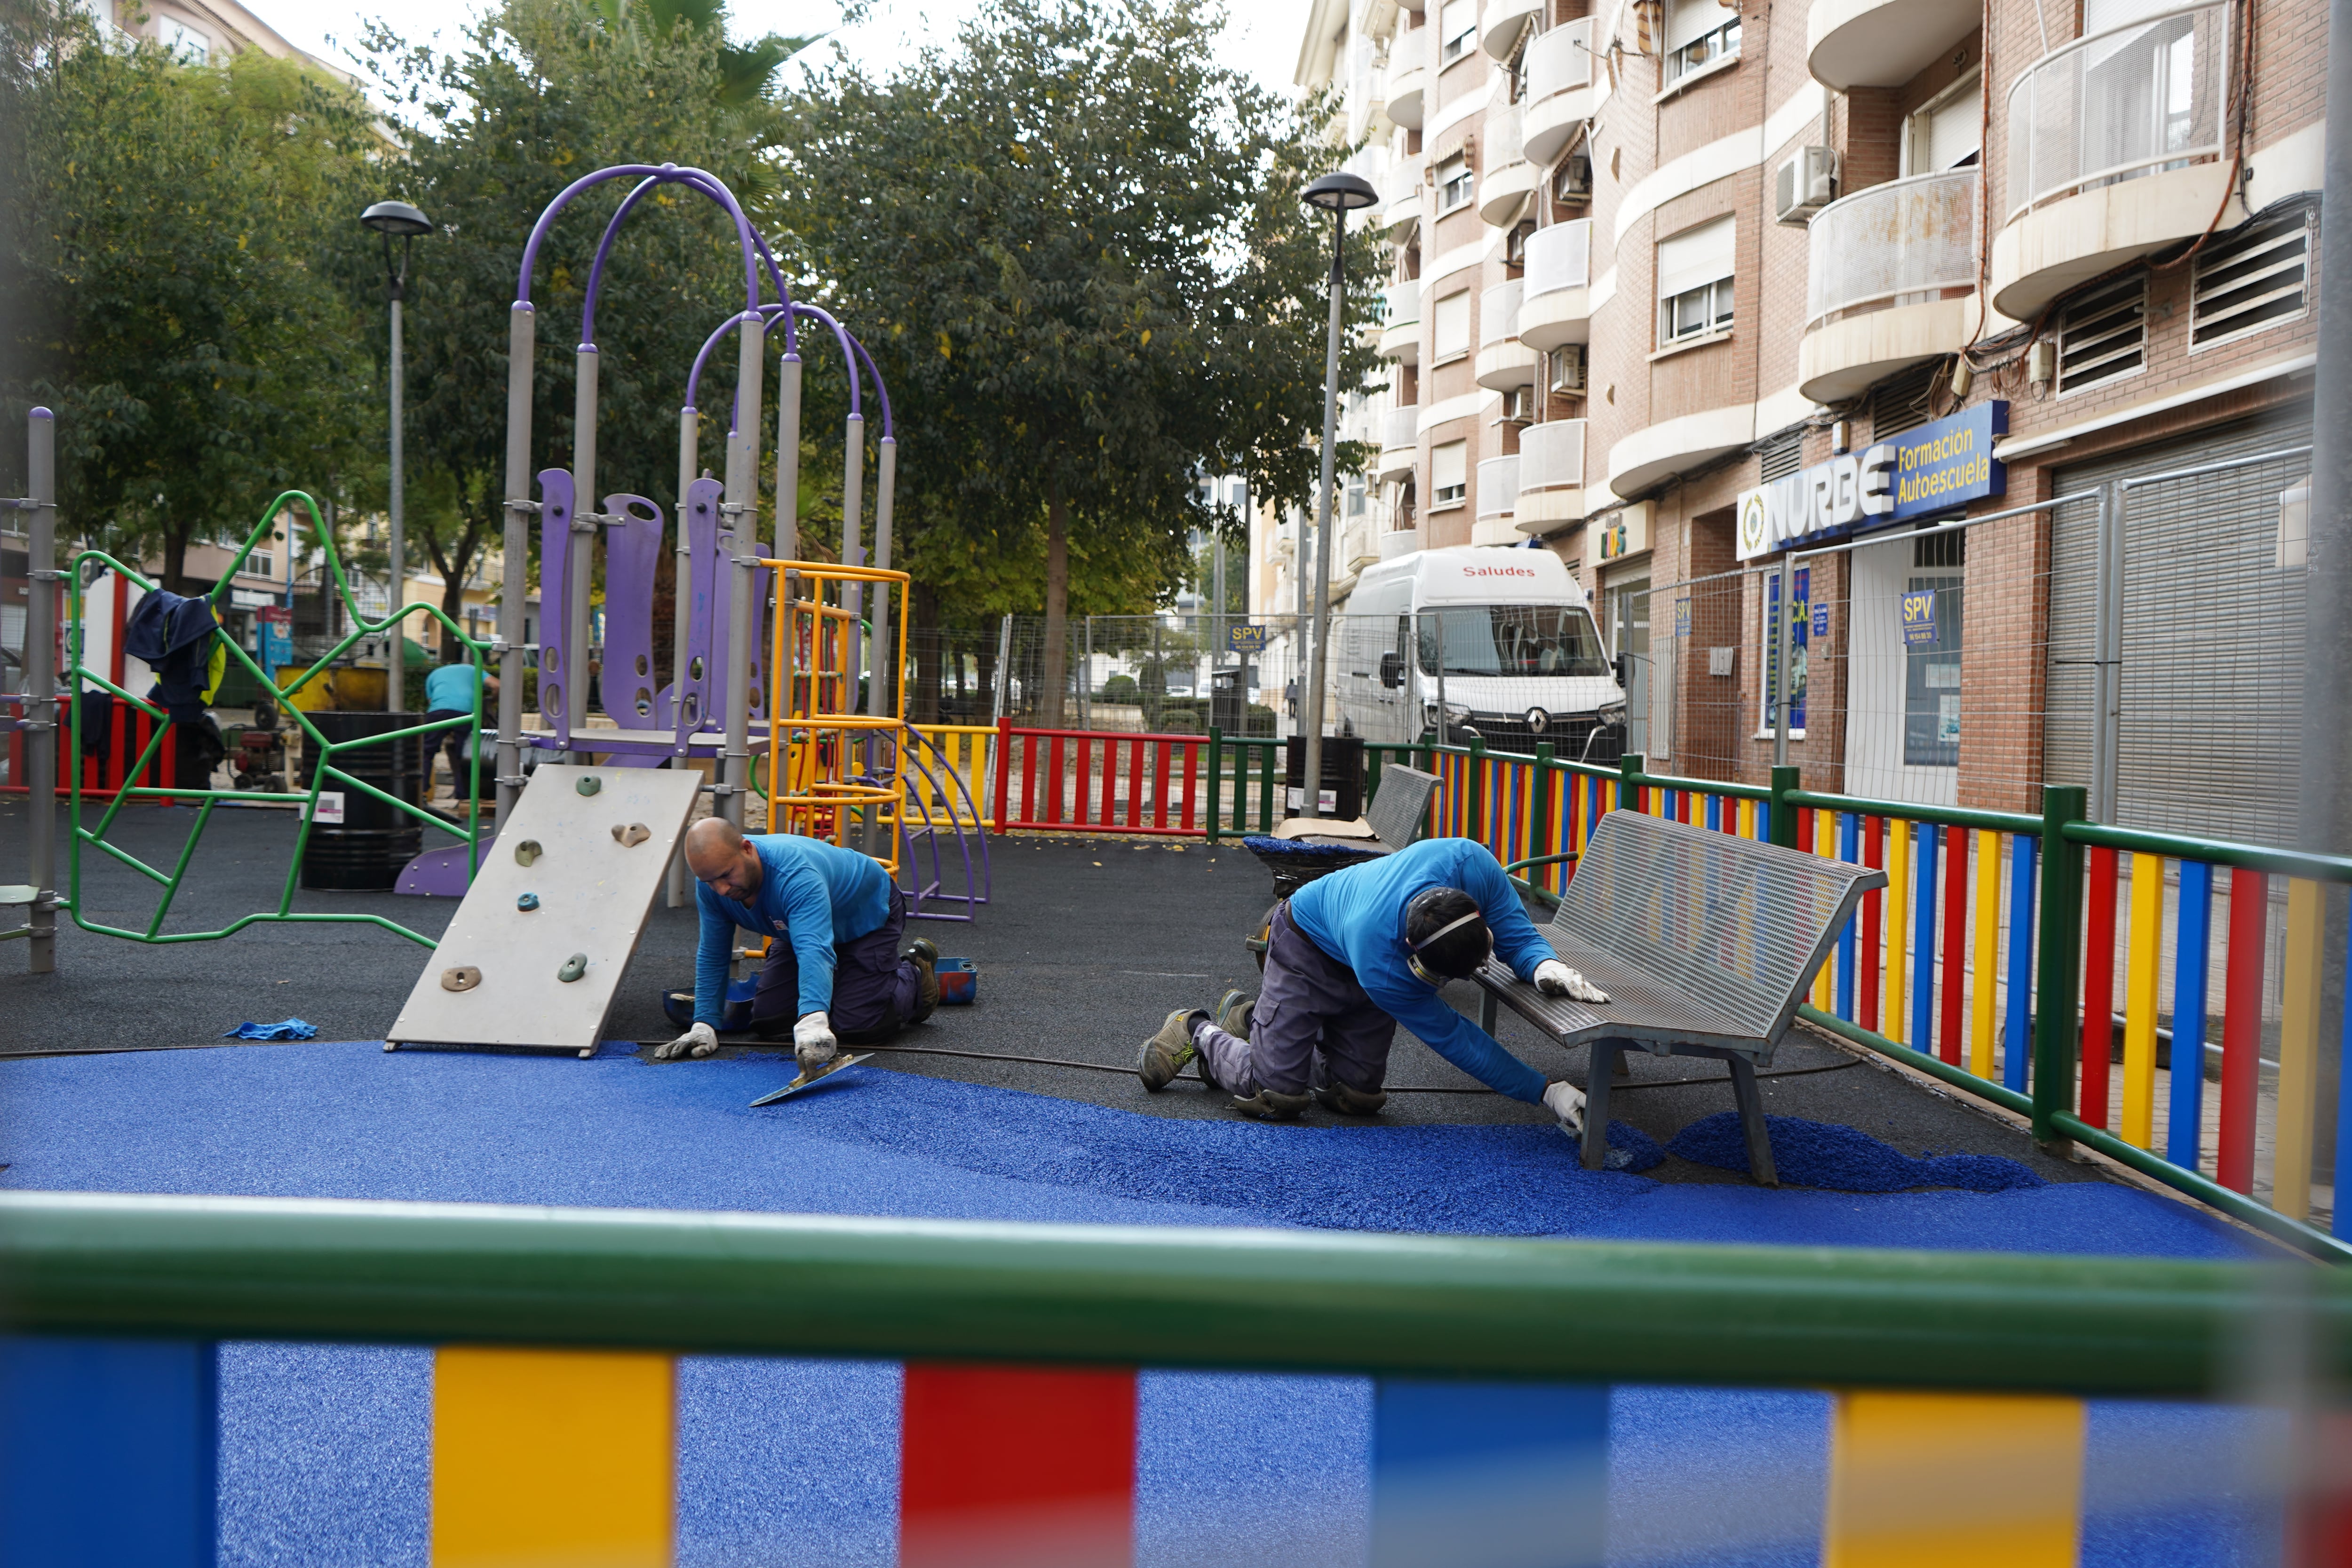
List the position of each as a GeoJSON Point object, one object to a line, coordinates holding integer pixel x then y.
{"type": "Point", "coordinates": [1554, 978]}
{"type": "Point", "coordinates": [1566, 1101]}
{"type": "Point", "coordinates": [813, 1041]}
{"type": "Point", "coordinates": [698, 1041]}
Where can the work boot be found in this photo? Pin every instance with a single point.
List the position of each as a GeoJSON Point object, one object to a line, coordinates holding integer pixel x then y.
{"type": "Point", "coordinates": [1266, 1105]}
{"type": "Point", "coordinates": [1234, 1014]}
{"type": "Point", "coordinates": [1346, 1102]}
{"type": "Point", "coordinates": [1165, 1054]}
{"type": "Point", "coordinates": [925, 952]}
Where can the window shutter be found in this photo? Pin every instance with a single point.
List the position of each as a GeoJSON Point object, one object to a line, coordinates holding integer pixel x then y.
{"type": "Point", "coordinates": [1449, 464]}
{"type": "Point", "coordinates": [1688, 19]}
{"type": "Point", "coordinates": [1452, 324]}
{"type": "Point", "coordinates": [1695, 257]}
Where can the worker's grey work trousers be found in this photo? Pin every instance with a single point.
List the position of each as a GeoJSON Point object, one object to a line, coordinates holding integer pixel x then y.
{"type": "Point", "coordinates": [874, 989]}
{"type": "Point", "coordinates": [1313, 1024]}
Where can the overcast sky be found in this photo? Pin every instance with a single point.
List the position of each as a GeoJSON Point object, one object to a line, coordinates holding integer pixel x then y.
{"type": "Point", "coordinates": [1262, 36]}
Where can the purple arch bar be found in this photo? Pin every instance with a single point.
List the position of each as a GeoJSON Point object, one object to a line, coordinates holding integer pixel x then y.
{"type": "Point", "coordinates": [709, 188]}
{"type": "Point", "coordinates": [699, 179]}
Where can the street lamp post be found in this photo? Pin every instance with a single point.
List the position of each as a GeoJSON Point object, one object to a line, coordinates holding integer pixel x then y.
{"type": "Point", "coordinates": [396, 220]}
{"type": "Point", "coordinates": [1337, 194]}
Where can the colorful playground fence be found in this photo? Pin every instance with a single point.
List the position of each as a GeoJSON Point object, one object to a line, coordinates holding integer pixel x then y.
{"type": "Point", "coordinates": [1096, 782]}
{"type": "Point", "coordinates": [557, 1334]}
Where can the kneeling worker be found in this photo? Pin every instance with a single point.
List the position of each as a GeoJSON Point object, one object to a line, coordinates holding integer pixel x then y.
{"type": "Point", "coordinates": [1349, 957]}
{"type": "Point", "coordinates": [833, 970]}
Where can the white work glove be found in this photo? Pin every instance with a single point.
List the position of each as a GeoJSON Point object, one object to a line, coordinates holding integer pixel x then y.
{"type": "Point", "coordinates": [813, 1041]}
{"type": "Point", "coordinates": [698, 1041]}
{"type": "Point", "coordinates": [1566, 1101]}
{"type": "Point", "coordinates": [1554, 978]}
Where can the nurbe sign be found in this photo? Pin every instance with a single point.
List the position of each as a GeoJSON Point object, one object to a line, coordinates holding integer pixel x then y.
{"type": "Point", "coordinates": [1934, 469]}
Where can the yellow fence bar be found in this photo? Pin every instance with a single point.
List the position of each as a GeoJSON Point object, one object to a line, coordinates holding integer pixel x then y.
{"type": "Point", "coordinates": [1893, 1018]}
{"type": "Point", "coordinates": [1747, 819]}
{"type": "Point", "coordinates": [1825, 835]}
{"type": "Point", "coordinates": [2141, 961]}
{"type": "Point", "coordinates": [2307, 920]}
{"type": "Point", "coordinates": [1954, 1480]}
{"type": "Point", "coordinates": [1986, 984]}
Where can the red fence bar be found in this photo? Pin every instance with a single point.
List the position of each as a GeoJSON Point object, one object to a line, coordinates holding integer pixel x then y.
{"type": "Point", "coordinates": [2241, 1030]}
{"type": "Point", "coordinates": [1000, 1465]}
{"type": "Point", "coordinates": [1956, 940]}
{"type": "Point", "coordinates": [1003, 770]}
{"type": "Point", "coordinates": [1057, 790]}
{"type": "Point", "coordinates": [2098, 985]}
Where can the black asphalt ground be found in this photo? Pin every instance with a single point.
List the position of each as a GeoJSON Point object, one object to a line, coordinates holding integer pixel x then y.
{"type": "Point", "coordinates": [1083, 950]}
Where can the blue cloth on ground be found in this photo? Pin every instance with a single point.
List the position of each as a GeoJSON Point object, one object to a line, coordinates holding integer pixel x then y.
{"type": "Point", "coordinates": [1845, 1159]}
{"type": "Point", "coordinates": [450, 687]}
{"type": "Point", "coordinates": [1357, 916]}
{"type": "Point", "coordinates": [291, 1029]}
{"type": "Point", "coordinates": [812, 895]}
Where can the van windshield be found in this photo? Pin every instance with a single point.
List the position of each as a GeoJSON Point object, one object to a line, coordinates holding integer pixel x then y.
{"type": "Point", "coordinates": [1512, 640]}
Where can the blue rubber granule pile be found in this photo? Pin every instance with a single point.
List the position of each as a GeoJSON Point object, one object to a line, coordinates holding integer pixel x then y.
{"type": "Point", "coordinates": [1844, 1159]}
{"type": "Point", "coordinates": [1260, 844]}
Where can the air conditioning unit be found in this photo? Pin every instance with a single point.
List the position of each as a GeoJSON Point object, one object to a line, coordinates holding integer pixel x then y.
{"type": "Point", "coordinates": [1575, 181]}
{"type": "Point", "coordinates": [1519, 405]}
{"type": "Point", "coordinates": [1515, 244]}
{"type": "Point", "coordinates": [1806, 183]}
{"type": "Point", "coordinates": [1568, 368]}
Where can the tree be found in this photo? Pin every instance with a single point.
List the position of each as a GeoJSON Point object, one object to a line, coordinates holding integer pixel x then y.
{"type": "Point", "coordinates": [547, 91]}
{"type": "Point", "coordinates": [174, 313]}
{"type": "Point", "coordinates": [1076, 244]}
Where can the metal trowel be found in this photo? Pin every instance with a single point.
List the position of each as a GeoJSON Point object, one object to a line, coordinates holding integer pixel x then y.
{"type": "Point", "coordinates": [806, 1078]}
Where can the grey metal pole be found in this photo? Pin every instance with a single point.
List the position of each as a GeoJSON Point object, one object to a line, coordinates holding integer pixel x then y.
{"type": "Point", "coordinates": [1312, 795]}
{"type": "Point", "coordinates": [514, 587]}
{"type": "Point", "coordinates": [739, 543]}
{"type": "Point", "coordinates": [1003, 667]}
{"type": "Point", "coordinates": [581, 557]}
{"type": "Point", "coordinates": [395, 689]}
{"type": "Point", "coordinates": [853, 598]}
{"type": "Point", "coordinates": [689, 435]}
{"type": "Point", "coordinates": [788, 461]}
{"type": "Point", "coordinates": [2106, 700]}
{"type": "Point", "coordinates": [41, 716]}
{"type": "Point", "coordinates": [886, 676]}
{"type": "Point", "coordinates": [2326, 752]}
{"type": "Point", "coordinates": [1784, 653]}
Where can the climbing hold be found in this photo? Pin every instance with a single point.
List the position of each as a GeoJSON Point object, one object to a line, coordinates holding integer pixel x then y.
{"type": "Point", "coordinates": [527, 851]}
{"type": "Point", "coordinates": [528, 902]}
{"type": "Point", "coordinates": [573, 968]}
{"type": "Point", "coordinates": [464, 977]}
{"type": "Point", "coordinates": [632, 834]}
{"type": "Point", "coordinates": [589, 783]}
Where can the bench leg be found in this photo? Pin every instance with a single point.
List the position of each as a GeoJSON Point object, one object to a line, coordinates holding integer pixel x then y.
{"type": "Point", "coordinates": [1597, 1074]}
{"type": "Point", "coordinates": [1751, 1121]}
{"type": "Point", "coordinates": [1489, 1011]}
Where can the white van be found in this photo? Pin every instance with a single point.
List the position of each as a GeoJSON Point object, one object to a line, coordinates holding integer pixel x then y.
{"type": "Point", "coordinates": [1522, 662]}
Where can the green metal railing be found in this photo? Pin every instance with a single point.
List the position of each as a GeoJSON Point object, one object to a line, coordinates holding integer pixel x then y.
{"type": "Point", "coordinates": [324, 773]}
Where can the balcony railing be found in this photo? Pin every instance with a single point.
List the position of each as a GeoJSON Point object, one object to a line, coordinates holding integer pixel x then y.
{"type": "Point", "coordinates": [1498, 313]}
{"type": "Point", "coordinates": [1559, 256]}
{"type": "Point", "coordinates": [1552, 456]}
{"type": "Point", "coordinates": [1915, 236]}
{"type": "Point", "coordinates": [1400, 195]}
{"type": "Point", "coordinates": [1400, 428]}
{"type": "Point", "coordinates": [1561, 61]}
{"type": "Point", "coordinates": [1504, 20]}
{"type": "Point", "coordinates": [2133, 100]}
{"type": "Point", "coordinates": [1498, 143]}
{"type": "Point", "coordinates": [1498, 486]}
{"type": "Point", "coordinates": [1404, 305]}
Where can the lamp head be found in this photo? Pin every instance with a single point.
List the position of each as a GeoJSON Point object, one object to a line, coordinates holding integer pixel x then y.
{"type": "Point", "coordinates": [1340, 193]}
{"type": "Point", "coordinates": [396, 220]}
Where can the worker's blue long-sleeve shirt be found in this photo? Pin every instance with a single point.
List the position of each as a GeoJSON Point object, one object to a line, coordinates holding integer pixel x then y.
{"type": "Point", "coordinates": [811, 895]}
{"type": "Point", "coordinates": [1357, 916]}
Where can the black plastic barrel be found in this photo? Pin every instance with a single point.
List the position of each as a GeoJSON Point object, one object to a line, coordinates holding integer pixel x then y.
{"type": "Point", "coordinates": [365, 852]}
{"type": "Point", "coordinates": [1343, 773]}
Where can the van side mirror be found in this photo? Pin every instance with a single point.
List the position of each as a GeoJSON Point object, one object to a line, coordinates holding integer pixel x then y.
{"type": "Point", "coordinates": [1392, 669]}
{"type": "Point", "coordinates": [1617, 669]}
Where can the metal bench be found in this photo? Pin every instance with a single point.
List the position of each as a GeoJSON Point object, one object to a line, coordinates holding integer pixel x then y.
{"type": "Point", "coordinates": [1704, 944]}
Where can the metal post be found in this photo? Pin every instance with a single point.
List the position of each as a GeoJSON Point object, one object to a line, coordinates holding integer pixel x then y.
{"type": "Point", "coordinates": [396, 690]}
{"type": "Point", "coordinates": [739, 539]}
{"type": "Point", "coordinates": [1004, 669]}
{"type": "Point", "coordinates": [1313, 708]}
{"type": "Point", "coordinates": [788, 460]}
{"type": "Point", "coordinates": [1087, 676]}
{"type": "Point", "coordinates": [581, 555]}
{"type": "Point", "coordinates": [1785, 780]}
{"type": "Point", "coordinates": [2106, 695]}
{"type": "Point", "coordinates": [515, 554]}
{"type": "Point", "coordinates": [853, 595]}
{"type": "Point", "coordinates": [1783, 652]}
{"type": "Point", "coordinates": [41, 684]}
{"type": "Point", "coordinates": [2057, 987]}
{"type": "Point", "coordinates": [2326, 796]}
{"type": "Point", "coordinates": [689, 433]}
{"type": "Point", "coordinates": [885, 679]}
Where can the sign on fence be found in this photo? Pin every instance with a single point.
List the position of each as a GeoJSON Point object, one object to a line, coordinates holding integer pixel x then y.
{"type": "Point", "coordinates": [1919, 618]}
{"type": "Point", "coordinates": [1246, 639]}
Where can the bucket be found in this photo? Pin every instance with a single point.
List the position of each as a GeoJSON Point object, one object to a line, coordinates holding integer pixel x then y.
{"type": "Point", "coordinates": [959, 982]}
{"type": "Point", "coordinates": [365, 852]}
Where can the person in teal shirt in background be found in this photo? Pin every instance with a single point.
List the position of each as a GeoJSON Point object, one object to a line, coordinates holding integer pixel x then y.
{"type": "Point", "coordinates": [449, 694]}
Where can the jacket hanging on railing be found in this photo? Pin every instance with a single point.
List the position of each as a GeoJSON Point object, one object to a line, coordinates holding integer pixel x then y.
{"type": "Point", "coordinates": [173, 636]}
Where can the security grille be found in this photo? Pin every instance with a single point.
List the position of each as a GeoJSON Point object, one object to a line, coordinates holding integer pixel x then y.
{"type": "Point", "coordinates": [2258, 278]}
{"type": "Point", "coordinates": [1780, 456]}
{"type": "Point", "coordinates": [2104, 336]}
{"type": "Point", "coordinates": [1900, 403]}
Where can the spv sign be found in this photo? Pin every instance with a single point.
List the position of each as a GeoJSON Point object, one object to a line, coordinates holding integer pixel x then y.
{"type": "Point", "coordinates": [1921, 472]}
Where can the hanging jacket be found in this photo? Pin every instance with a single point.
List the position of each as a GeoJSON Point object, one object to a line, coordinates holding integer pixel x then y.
{"type": "Point", "coordinates": [173, 636]}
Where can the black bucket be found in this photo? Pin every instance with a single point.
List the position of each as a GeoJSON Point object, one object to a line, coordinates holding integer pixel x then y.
{"type": "Point", "coordinates": [365, 852]}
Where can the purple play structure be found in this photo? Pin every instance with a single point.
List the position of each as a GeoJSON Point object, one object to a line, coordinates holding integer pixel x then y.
{"type": "Point", "coordinates": [702, 707]}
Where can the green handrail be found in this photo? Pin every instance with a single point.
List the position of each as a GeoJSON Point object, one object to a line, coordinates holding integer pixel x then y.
{"type": "Point", "coordinates": [1290, 1300]}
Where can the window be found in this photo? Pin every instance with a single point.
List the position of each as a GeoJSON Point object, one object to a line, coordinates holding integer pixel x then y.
{"type": "Point", "coordinates": [1931, 670]}
{"type": "Point", "coordinates": [1695, 282]}
{"type": "Point", "coordinates": [1800, 621]}
{"type": "Point", "coordinates": [1453, 183]}
{"type": "Point", "coordinates": [2104, 336]}
{"type": "Point", "coordinates": [1698, 33]}
{"type": "Point", "coordinates": [2258, 278]}
{"type": "Point", "coordinates": [1513, 639]}
{"type": "Point", "coordinates": [1355, 495]}
{"type": "Point", "coordinates": [1452, 324]}
{"type": "Point", "coordinates": [1449, 473]}
{"type": "Point", "coordinates": [1515, 244]}
{"type": "Point", "coordinates": [1950, 132]}
{"type": "Point", "coordinates": [1457, 29]}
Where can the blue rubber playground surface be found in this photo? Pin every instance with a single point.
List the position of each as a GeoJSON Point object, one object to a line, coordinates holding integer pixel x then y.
{"type": "Point", "coordinates": [325, 1450]}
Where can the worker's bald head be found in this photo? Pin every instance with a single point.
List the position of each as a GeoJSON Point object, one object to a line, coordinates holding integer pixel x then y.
{"type": "Point", "coordinates": [712, 843]}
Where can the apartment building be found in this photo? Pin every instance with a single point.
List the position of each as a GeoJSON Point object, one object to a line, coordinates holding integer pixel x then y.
{"type": "Point", "coordinates": [1683, 290]}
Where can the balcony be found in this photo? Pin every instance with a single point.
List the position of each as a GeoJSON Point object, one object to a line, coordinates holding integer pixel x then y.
{"type": "Point", "coordinates": [2114, 149]}
{"type": "Point", "coordinates": [1891, 282]}
{"type": "Point", "coordinates": [1401, 329]}
{"type": "Point", "coordinates": [1400, 205]}
{"type": "Point", "coordinates": [1408, 91]}
{"type": "Point", "coordinates": [1550, 477]}
{"type": "Point", "coordinates": [1505, 176]}
{"type": "Point", "coordinates": [1498, 496]}
{"type": "Point", "coordinates": [1559, 90]}
{"type": "Point", "coordinates": [1881, 43]}
{"type": "Point", "coordinates": [1558, 307]}
{"type": "Point", "coordinates": [1504, 361]}
{"type": "Point", "coordinates": [1399, 444]}
{"type": "Point", "coordinates": [1505, 20]}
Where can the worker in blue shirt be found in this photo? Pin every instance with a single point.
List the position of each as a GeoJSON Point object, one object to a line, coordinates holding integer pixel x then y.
{"type": "Point", "coordinates": [1349, 957]}
{"type": "Point", "coordinates": [834, 970]}
{"type": "Point", "coordinates": [449, 694]}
